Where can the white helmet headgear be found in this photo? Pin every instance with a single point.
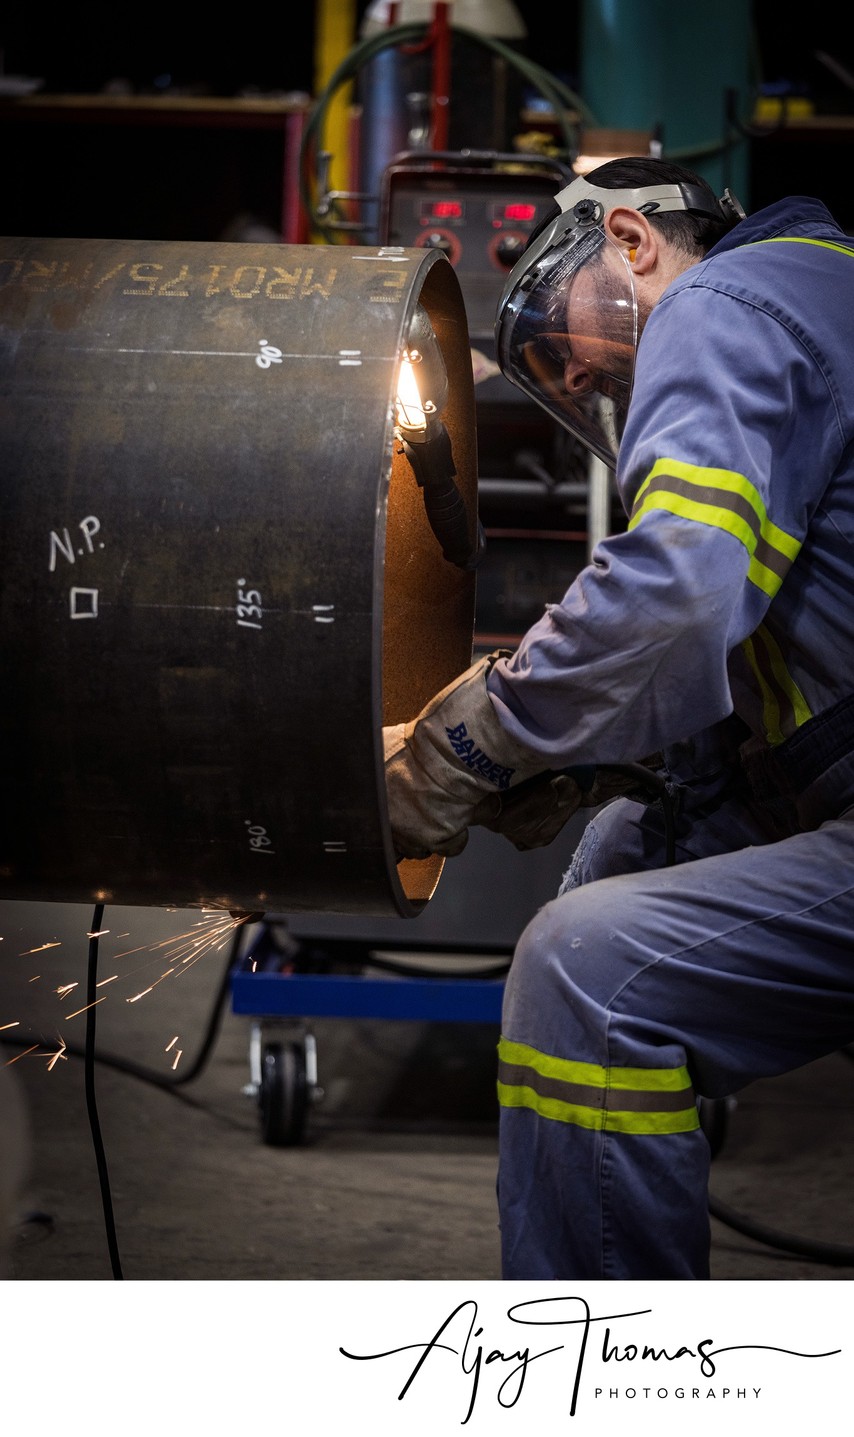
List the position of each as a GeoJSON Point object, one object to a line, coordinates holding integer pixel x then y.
{"type": "Point", "coordinates": [545, 318]}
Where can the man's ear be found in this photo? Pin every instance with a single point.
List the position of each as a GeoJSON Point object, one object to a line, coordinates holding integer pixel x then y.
{"type": "Point", "coordinates": [634, 235]}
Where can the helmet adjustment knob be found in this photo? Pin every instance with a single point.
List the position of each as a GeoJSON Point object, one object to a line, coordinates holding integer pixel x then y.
{"type": "Point", "coordinates": [588, 211]}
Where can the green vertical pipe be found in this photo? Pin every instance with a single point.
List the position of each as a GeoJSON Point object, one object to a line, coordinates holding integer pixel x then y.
{"type": "Point", "coordinates": [668, 66]}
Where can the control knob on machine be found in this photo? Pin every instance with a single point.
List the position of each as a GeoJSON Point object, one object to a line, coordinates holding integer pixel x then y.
{"type": "Point", "coordinates": [436, 239]}
{"type": "Point", "coordinates": [508, 248]}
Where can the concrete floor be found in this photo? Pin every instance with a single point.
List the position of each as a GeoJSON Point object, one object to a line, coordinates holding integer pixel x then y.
{"type": "Point", "coordinates": [396, 1176]}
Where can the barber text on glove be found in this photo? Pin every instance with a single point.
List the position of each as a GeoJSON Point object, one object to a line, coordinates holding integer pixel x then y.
{"type": "Point", "coordinates": [474, 757]}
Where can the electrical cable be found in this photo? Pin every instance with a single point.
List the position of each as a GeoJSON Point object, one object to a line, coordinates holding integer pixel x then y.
{"type": "Point", "coordinates": [407, 970]}
{"type": "Point", "coordinates": [559, 96]}
{"type": "Point", "coordinates": [347, 69]}
{"type": "Point", "coordinates": [169, 1081]}
{"type": "Point", "coordinates": [656, 788]}
{"type": "Point", "coordinates": [91, 1103]}
{"type": "Point", "coordinates": [555, 91]}
{"type": "Point", "coordinates": [735, 128]}
{"type": "Point", "coordinates": [124, 1065]}
{"type": "Point", "coordinates": [836, 1254]}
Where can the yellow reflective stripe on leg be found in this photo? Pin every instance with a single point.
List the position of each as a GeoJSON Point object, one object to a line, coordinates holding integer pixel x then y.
{"type": "Point", "coordinates": [611, 1120]}
{"type": "Point", "coordinates": [591, 1074]}
{"type": "Point", "coordinates": [627, 1100]}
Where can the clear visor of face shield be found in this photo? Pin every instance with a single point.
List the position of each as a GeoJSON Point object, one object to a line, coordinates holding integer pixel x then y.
{"type": "Point", "coordinates": [568, 338]}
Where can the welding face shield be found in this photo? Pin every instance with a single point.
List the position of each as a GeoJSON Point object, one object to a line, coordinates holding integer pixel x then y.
{"type": "Point", "coordinates": [568, 337]}
{"type": "Point", "coordinates": [567, 327]}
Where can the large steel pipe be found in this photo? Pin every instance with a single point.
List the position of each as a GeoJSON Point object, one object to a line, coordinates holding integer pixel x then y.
{"type": "Point", "coordinates": [217, 577]}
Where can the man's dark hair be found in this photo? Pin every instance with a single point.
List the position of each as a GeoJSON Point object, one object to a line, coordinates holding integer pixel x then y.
{"type": "Point", "coordinates": [693, 233]}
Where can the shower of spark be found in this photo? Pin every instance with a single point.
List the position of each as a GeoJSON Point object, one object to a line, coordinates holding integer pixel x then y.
{"type": "Point", "coordinates": [85, 1009]}
{"type": "Point", "coordinates": [60, 1053]}
{"type": "Point", "coordinates": [210, 933]}
{"type": "Point", "coordinates": [25, 1054]}
{"type": "Point", "coordinates": [191, 946]}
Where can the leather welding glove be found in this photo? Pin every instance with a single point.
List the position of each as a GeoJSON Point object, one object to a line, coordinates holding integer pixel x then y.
{"type": "Point", "coordinates": [533, 814]}
{"type": "Point", "coordinates": [452, 761]}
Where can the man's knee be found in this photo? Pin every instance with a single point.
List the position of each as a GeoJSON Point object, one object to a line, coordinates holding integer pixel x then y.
{"type": "Point", "coordinates": [613, 842]}
{"type": "Point", "coordinates": [565, 946]}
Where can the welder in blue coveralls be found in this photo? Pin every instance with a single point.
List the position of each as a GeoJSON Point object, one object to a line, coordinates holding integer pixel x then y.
{"type": "Point", "coordinates": [709, 358]}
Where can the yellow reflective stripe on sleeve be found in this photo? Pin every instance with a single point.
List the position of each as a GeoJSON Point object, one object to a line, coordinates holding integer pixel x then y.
{"type": "Point", "coordinates": [784, 707]}
{"type": "Point", "coordinates": [803, 239]}
{"type": "Point", "coordinates": [725, 500]}
{"type": "Point", "coordinates": [770, 705]}
{"type": "Point", "coordinates": [799, 708]}
{"type": "Point", "coordinates": [626, 1100]}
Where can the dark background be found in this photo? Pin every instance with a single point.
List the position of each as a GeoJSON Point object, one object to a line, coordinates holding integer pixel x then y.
{"type": "Point", "coordinates": [206, 181]}
{"type": "Point", "coordinates": [275, 50]}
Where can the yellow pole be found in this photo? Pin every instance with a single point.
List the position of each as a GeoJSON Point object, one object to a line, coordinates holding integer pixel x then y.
{"type": "Point", "coordinates": [335, 36]}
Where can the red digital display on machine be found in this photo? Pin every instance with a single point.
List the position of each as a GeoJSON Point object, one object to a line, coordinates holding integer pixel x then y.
{"type": "Point", "coordinates": [519, 212]}
{"type": "Point", "coordinates": [442, 210]}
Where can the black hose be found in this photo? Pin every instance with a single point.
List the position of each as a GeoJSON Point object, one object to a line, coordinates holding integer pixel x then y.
{"type": "Point", "coordinates": [91, 1104]}
{"type": "Point", "coordinates": [432, 463]}
{"type": "Point", "coordinates": [549, 86]}
{"type": "Point", "coordinates": [124, 1065]}
{"type": "Point", "coordinates": [655, 789]}
{"type": "Point", "coordinates": [387, 965]}
{"type": "Point", "coordinates": [829, 1252]}
{"type": "Point", "coordinates": [169, 1081]}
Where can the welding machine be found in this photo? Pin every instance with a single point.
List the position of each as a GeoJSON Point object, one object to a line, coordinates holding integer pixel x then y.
{"type": "Point", "coordinates": [480, 209]}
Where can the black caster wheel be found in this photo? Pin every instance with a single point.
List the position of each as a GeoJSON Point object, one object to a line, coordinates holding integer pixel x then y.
{"type": "Point", "coordinates": [714, 1120]}
{"type": "Point", "coordinates": [283, 1094]}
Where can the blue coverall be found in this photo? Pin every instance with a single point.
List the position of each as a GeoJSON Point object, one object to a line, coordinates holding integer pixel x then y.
{"type": "Point", "coordinates": [719, 631]}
